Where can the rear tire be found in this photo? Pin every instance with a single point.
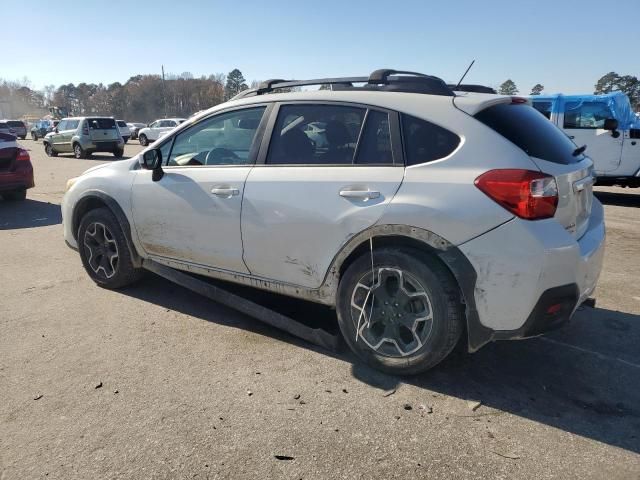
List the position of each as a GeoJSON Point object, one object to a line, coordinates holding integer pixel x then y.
{"type": "Point", "coordinates": [15, 196]}
{"type": "Point", "coordinates": [413, 321]}
{"type": "Point", "coordinates": [79, 152]}
{"type": "Point", "coordinates": [48, 149]}
{"type": "Point", "coordinates": [23, 138]}
{"type": "Point", "coordinates": [143, 140]}
{"type": "Point", "coordinates": [104, 250]}
{"type": "Point", "coordinates": [118, 153]}
{"type": "Point", "coordinates": [34, 137]}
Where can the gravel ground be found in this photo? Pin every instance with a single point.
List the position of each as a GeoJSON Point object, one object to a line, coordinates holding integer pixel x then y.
{"type": "Point", "coordinates": [157, 382]}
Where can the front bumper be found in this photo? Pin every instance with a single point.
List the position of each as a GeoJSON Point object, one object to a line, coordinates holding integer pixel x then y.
{"type": "Point", "coordinates": [520, 264]}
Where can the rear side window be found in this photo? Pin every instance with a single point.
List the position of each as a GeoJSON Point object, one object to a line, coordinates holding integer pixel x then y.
{"type": "Point", "coordinates": [315, 135]}
{"type": "Point", "coordinates": [529, 130]}
{"type": "Point", "coordinates": [375, 141]}
{"type": "Point", "coordinates": [101, 123]}
{"type": "Point", "coordinates": [425, 142]}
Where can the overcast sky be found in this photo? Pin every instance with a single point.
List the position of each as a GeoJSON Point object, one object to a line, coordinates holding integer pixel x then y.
{"type": "Point", "coordinates": [565, 45]}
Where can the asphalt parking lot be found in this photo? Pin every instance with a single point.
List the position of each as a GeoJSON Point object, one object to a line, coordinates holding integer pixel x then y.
{"type": "Point", "coordinates": [157, 382]}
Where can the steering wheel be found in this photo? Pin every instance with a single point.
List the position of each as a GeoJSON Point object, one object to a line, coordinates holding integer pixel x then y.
{"type": "Point", "coordinates": [219, 156]}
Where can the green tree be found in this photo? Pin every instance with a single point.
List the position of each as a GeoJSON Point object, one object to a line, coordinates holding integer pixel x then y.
{"type": "Point", "coordinates": [607, 83]}
{"type": "Point", "coordinates": [508, 88]}
{"type": "Point", "coordinates": [235, 84]}
{"type": "Point", "coordinates": [537, 89]}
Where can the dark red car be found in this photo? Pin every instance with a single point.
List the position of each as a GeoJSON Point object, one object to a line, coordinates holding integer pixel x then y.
{"type": "Point", "coordinates": [16, 171]}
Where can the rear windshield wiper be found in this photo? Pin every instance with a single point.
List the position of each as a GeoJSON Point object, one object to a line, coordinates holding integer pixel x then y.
{"type": "Point", "coordinates": [579, 150]}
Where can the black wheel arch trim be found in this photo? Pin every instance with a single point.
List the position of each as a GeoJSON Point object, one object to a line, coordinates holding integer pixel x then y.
{"type": "Point", "coordinates": [116, 209]}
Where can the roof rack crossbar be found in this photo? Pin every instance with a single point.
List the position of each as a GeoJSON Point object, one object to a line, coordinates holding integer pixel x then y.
{"type": "Point", "coordinates": [382, 76]}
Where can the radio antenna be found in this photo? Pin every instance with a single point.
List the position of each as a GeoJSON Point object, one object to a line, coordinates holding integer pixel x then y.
{"type": "Point", "coordinates": [465, 74]}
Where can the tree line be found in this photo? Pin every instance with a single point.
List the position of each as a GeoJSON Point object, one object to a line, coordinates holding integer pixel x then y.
{"type": "Point", "coordinates": [144, 98]}
{"type": "Point", "coordinates": [610, 82]}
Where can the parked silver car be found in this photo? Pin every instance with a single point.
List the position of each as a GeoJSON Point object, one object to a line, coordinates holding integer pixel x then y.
{"type": "Point", "coordinates": [83, 136]}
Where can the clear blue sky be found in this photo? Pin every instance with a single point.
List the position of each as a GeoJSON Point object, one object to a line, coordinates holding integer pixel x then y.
{"type": "Point", "coordinates": [565, 45]}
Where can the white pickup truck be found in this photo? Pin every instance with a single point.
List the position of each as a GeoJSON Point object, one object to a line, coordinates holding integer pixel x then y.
{"type": "Point", "coordinates": [607, 125]}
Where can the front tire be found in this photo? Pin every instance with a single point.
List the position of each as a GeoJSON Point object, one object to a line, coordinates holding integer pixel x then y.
{"type": "Point", "coordinates": [48, 149]}
{"type": "Point", "coordinates": [143, 140]}
{"type": "Point", "coordinates": [406, 317]}
{"type": "Point", "coordinates": [104, 250]}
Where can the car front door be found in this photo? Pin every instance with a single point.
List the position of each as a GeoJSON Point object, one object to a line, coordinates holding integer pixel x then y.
{"type": "Point", "coordinates": [67, 134]}
{"type": "Point", "coordinates": [57, 136]}
{"type": "Point", "coordinates": [315, 188]}
{"type": "Point", "coordinates": [584, 123]}
{"type": "Point", "coordinates": [192, 214]}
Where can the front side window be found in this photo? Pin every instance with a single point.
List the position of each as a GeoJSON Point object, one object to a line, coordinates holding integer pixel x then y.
{"type": "Point", "coordinates": [62, 125]}
{"type": "Point", "coordinates": [544, 108]}
{"type": "Point", "coordinates": [586, 114]}
{"type": "Point", "coordinates": [155, 124]}
{"type": "Point", "coordinates": [225, 139]}
{"type": "Point", "coordinates": [315, 135]}
{"type": "Point", "coordinates": [425, 142]}
{"type": "Point", "coordinates": [72, 124]}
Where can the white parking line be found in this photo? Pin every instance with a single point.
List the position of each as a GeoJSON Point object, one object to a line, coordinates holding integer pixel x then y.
{"type": "Point", "coordinates": [585, 350]}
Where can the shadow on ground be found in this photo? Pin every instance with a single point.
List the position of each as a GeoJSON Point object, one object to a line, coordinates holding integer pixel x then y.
{"type": "Point", "coordinates": [582, 379]}
{"type": "Point", "coordinates": [28, 214]}
{"type": "Point", "coordinates": [619, 199]}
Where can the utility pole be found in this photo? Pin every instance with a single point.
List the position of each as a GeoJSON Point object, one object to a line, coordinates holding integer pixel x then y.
{"type": "Point", "coordinates": [164, 94]}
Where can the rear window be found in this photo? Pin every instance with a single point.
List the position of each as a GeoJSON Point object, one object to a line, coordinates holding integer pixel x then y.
{"type": "Point", "coordinates": [101, 123]}
{"type": "Point", "coordinates": [530, 130]}
{"type": "Point", "coordinates": [15, 123]}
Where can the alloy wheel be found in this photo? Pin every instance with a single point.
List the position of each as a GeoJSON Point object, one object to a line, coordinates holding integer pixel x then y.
{"type": "Point", "coordinates": [392, 312]}
{"type": "Point", "coordinates": [101, 249]}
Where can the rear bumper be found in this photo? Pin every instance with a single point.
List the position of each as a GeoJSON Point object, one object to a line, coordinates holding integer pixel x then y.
{"type": "Point", "coordinates": [107, 146]}
{"type": "Point", "coordinates": [522, 266]}
{"type": "Point", "coordinates": [18, 180]}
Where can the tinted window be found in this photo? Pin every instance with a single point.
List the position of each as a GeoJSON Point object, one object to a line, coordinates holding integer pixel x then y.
{"type": "Point", "coordinates": [586, 114]}
{"type": "Point", "coordinates": [15, 123]}
{"type": "Point", "coordinates": [101, 123]}
{"type": "Point", "coordinates": [544, 108]}
{"type": "Point", "coordinates": [315, 134]}
{"type": "Point", "coordinates": [375, 142]}
{"type": "Point", "coordinates": [425, 142]}
{"type": "Point", "coordinates": [3, 125]}
{"type": "Point", "coordinates": [531, 131]}
{"type": "Point", "coordinates": [224, 139]}
{"type": "Point", "coordinates": [72, 124]}
{"type": "Point", "coordinates": [122, 124]}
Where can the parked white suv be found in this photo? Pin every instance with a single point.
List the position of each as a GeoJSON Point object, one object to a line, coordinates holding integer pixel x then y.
{"type": "Point", "coordinates": [156, 129]}
{"type": "Point", "coordinates": [421, 216]}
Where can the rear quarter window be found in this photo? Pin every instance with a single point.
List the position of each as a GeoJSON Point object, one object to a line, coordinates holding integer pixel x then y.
{"type": "Point", "coordinates": [530, 130]}
{"type": "Point", "coordinates": [425, 142]}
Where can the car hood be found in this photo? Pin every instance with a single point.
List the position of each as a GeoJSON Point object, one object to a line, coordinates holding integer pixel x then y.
{"type": "Point", "coordinates": [129, 164]}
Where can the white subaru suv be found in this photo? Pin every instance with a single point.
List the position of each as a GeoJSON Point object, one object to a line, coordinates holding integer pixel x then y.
{"type": "Point", "coordinates": [423, 215]}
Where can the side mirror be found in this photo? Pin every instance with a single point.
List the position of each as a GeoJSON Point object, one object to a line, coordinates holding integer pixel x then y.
{"type": "Point", "coordinates": [152, 159]}
{"type": "Point", "coordinates": [56, 130]}
{"type": "Point", "coordinates": [611, 124]}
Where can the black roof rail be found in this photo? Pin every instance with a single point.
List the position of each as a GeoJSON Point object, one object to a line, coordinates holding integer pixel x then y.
{"type": "Point", "coordinates": [384, 80]}
{"type": "Point", "coordinates": [468, 87]}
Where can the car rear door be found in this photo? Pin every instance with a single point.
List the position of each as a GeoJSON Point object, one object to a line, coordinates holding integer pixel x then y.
{"type": "Point", "coordinates": [314, 188]}
{"type": "Point", "coordinates": [192, 214]}
{"type": "Point", "coordinates": [103, 130]}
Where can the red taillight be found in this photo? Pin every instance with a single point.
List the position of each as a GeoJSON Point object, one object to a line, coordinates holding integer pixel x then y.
{"type": "Point", "coordinates": [525, 193]}
{"type": "Point", "coordinates": [23, 155]}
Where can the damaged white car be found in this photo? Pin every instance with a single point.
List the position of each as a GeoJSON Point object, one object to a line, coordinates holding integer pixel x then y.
{"type": "Point", "coordinates": [424, 216]}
